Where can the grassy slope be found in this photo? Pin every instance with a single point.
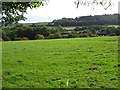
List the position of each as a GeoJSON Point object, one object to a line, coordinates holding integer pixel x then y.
{"type": "Point", "coordinates": [85, 62]}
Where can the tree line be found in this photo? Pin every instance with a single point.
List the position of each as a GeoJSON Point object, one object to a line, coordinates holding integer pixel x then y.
{"type": "Point", "coordinates": [30, 32]}
{"type": "Point", "coordinates": [87, 20]}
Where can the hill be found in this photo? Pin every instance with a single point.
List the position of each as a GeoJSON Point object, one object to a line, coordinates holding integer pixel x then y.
{"type": "Point", "coordinates": [106, 19]}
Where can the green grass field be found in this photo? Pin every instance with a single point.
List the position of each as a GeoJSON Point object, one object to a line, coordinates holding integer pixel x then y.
{"type": "Point", "coordinates": [61, 63]}
{"type": "Point", "coordinates": [69, 28]}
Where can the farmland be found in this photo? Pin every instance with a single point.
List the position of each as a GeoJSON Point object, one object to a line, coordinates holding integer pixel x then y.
{"type": "Point", "coordinates": [61, 63]}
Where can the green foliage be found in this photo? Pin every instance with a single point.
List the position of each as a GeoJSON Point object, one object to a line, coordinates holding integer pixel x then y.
{"type": "Point", "coordinates": [51, 36]}
{"type": "Point", "coordinates": [112, 34]}
{"type": "Point", "coordinates": [84, 35]}
{"type": "Point", "coordinates": [54, 36]}
{"type": "Point", "coordinates": [59, 32]}
{"type": "Point", "coordinates": [20, 31]}
{"type": "Point", "coordinates": [57, 35]}
{"type": "Point", "coordinates": [39, 36]}
{"type": "Point", "coordinates": [6, 38]}
{"type": "Point", "coordinates": [93, 35]}
{"type": "Point", "coordinates": [77, 29]}
{"type": "Point", "coordinates": [24, 38]}
{"type": "Point", "coordinates": [66, 63]}
{"type": "Point", "coordinates": [72, 35]}
{"type": "Point", "coordinates": [29, 32]}
{"type": "Point", "coordinates": [87, 21]}
{"type": "Point", "coordinates": [14, 11]}
{"type": "Point", "coordinates": [43, 30]}
{"type": "Point", "coordinates": [17, 38]}
{"type": "Point", "coordinates": [1, 39]}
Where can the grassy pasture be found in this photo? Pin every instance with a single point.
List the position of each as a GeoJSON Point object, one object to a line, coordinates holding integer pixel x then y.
{"type": "Point", "coordinates": [69, 28]}
{"type": "Point", "coordinates": [61, 63]}
{"type": "Point", "coordinates": [73, 27]}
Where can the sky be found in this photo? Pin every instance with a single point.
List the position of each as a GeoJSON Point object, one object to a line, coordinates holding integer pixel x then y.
{"type": "Point", "coordinates": [57, 9]}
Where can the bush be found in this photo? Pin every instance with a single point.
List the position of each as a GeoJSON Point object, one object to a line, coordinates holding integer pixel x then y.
{"type": "Point", "coordinates": [51, 36]}
{"type": "Point", "coordinates": [112, 34]}
{"type": "Point", "coordinates": [57, 35]}
{"type": "Point", "coordinates": [73, 35]}
{"type": "Point", "coordinates": [1, 39]}
{"type": "Point", "coordinates": [84, 35]}
{"type": "Point", "coordinates": [39, 36]}
{"type": "Point", "coordinates": [25, 38]}
{"type": "Point", "coordinates": [17, 39]}
{"type": "Point", "coordinates": [70, 35]}
{"type": "Point", "coordinates": [93, 35]}
{"type": "Point", "coordinates": [6, 38]}
{"type": "Point", "coordinates": [54, 36]}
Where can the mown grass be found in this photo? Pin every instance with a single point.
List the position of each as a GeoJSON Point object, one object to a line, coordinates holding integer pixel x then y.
{"type": "Point", "coordinates": [62, 63]}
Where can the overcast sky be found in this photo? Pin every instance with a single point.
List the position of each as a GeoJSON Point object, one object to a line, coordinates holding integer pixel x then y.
{"type": "Point", "coordinates": [56, 9]}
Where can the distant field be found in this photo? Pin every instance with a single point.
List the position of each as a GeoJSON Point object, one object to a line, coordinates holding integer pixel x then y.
{"type": "Point", "coordinates": [73, 27]}
{"type": "Point", "coordinates": [61, 63]}
{"type": "Point", "coordinates": [113, 26]}
{"type": "Point", "coordinates": [68, 28]}
{"type": "Point", "coordinates": [42, 23]}
{"type": "Point", "coordinates": [39, 23]}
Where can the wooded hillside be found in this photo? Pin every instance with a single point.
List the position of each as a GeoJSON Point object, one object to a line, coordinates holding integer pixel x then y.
{"type": "Point", "coordinates": [87, 20]}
